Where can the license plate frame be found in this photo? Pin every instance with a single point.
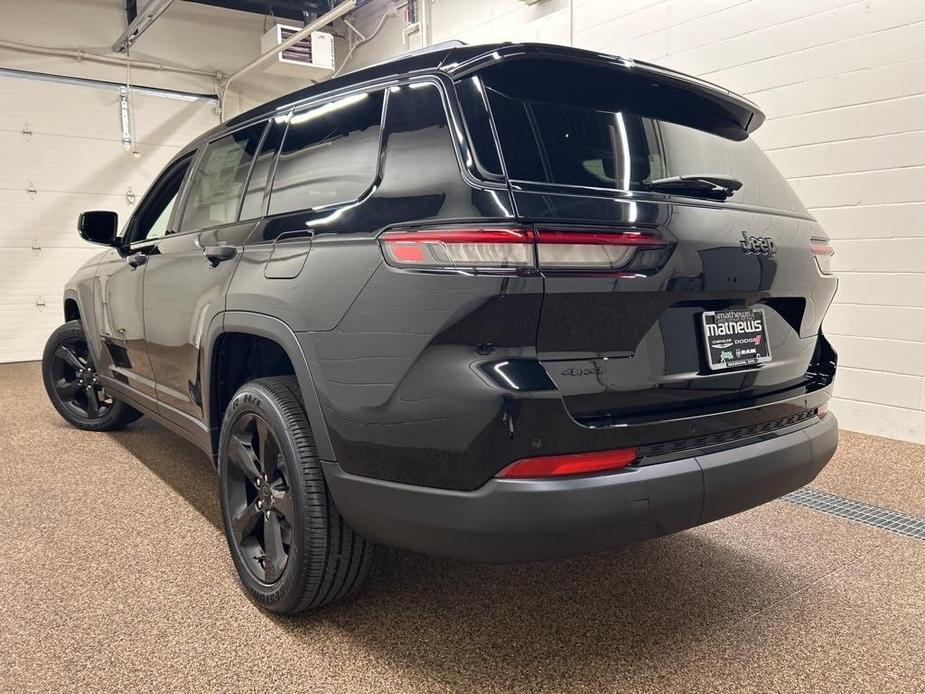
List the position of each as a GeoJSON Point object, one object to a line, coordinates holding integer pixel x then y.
{"type": "Point", "coordinates": [735, 337]}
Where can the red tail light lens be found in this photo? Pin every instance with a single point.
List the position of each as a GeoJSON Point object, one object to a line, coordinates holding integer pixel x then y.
{"type": "Point", "coordinates": [460, 249]}
{"type": "Point", "coordinates": [565, 465]}
{"type": "Point", "coordinates": [823, 252]}
{"type": "Point", "coordinates": [515, 249]}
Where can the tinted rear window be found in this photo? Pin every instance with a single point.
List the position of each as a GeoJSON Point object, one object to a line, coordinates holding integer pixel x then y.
{"type": "Point", "coordinates": [612, 148]}
{"type": "Point", "coordinates": [330, 154]}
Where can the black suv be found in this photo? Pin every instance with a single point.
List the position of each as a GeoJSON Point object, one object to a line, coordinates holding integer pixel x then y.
{"type": "Point", "coordinates": [503, 303]}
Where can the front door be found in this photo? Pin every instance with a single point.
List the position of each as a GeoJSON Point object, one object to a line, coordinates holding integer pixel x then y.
{"type": "Point", "coordinates": [121, 351]}
{"type": "Point", "coordinates": [189, 269]}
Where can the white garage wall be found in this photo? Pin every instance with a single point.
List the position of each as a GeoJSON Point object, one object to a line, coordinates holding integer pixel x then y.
{"type": "Point", "coordinates": [207, 38]}
{"type": "Point", "coordinates": [843, 85]}
{"type": "Point", "coordinates": [73, 158]}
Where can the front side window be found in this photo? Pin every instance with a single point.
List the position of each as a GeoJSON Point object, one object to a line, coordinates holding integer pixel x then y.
{"type": "Point", "coordinates": [154, 213]}
{"type": "Point", "coordinates": [330, 154]}
{"type": "Point", "coordinates": [220, 178]}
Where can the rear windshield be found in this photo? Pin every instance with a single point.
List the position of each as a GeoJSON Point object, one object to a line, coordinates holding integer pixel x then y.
{"type": "Point", "coordinates": [609, 147]}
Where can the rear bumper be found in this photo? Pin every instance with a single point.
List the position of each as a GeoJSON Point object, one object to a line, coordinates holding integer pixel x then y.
{"type": "Point", "coordinates": [532, 520]}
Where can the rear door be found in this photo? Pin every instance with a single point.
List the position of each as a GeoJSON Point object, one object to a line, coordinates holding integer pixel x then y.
{"type": "Point", "coordinates": [650, 231]}
{"type": "Point", "coordinates": [189, 269]}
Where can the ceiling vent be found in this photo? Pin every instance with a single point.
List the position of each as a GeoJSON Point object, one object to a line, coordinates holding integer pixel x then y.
{"type": "Point", "coordinates": [311, 57]}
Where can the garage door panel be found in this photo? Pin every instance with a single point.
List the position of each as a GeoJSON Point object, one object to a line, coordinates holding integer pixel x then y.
{"type": "Point", "coordinates": [49, 220]}
{"type": "Point", "coordinates": [75, 160]}
{"type": "Point", "coordinates": [165, 121]}
{"type": "Point", "coordinates": [95, 113]}
{"type": "Point", "coordinates": [77, 165]}
{"type": "Point", "coordinates": [26, 328]}
{"type": "Point", "coordinates": [30, 276]}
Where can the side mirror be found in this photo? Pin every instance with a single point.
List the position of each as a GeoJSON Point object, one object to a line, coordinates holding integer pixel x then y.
{"type": "Point", "coordinates": [99, 226]}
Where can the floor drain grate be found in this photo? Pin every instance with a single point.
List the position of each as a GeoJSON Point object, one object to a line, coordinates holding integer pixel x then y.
{"type": "Point", "coordinates": [859, 512]}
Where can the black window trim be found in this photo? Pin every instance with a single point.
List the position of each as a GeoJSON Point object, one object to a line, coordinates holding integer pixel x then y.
{"type": "Point", "coordinates": [484, 175]}
{"type": "Point", "coordinates": [462, 144]}
{"type": "Point", "coordinates": [250, 172]}
{"type": "Point", "coordinates": [283, 120]}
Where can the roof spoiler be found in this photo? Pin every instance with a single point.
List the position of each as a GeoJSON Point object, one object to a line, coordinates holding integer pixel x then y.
{"type": "Point", "coordinates": [737, 116]}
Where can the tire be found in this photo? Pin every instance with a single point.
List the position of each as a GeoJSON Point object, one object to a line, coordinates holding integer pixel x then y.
{"type": "Point", "coordinates": [272, 489]}
{"type": "Point", "coordinates": [71, 382]}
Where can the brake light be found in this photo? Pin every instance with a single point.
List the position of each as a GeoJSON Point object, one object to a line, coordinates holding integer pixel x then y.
{"type": "Point", "coordinates": [822, 411]}
{"type": "Point", "coordinates": [823, 252]}
{"type": "Point", "coordinates": [515, 249]}
{"type": "Point", "coordinates": [573, 464]}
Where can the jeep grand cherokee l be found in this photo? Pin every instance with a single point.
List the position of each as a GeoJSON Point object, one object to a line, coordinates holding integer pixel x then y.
{"type": "Point", "coordinates": [501, 303]}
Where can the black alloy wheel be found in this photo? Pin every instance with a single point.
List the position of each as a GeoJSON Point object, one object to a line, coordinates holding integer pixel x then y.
{"type": "Point", "coordinates": [76, 381]}
{"type": "Point", "coordinates": [292, 549]}
{"type": "Point", "coordinates": [74, 387]}
{"type": "Point", "coordinates": [259, 499]}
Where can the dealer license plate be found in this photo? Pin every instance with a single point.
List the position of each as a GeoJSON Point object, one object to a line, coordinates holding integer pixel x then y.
{"type": "Point", "coordinates": [737, 337]}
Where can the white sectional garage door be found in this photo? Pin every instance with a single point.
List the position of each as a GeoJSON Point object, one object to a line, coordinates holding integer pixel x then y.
{"type": "Point", "coordinates": [62, 153]}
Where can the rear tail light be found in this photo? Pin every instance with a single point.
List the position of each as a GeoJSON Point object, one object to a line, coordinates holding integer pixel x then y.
{"type": "Point", "coordinates": [558, 250]}
{"type": "Point", "coordinates": [823, 252]}
{"type": "Point", "coordinates": [515, 249]}
{"type": "Point", "coordinates": [460, 249]}
{"type": "Point", "coordinates": [566, 465]}
{"type": "Point", "coordinates": [822, 411]}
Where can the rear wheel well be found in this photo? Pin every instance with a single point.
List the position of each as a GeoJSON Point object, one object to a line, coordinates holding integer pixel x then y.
{"type": "Point", "coordinates": [71, 310]}
{"type": "Point", "coordinates": [236, 359]}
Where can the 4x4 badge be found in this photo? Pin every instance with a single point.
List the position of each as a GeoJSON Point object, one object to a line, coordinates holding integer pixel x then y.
{"type": "Point", "coordinates": [758, 245]}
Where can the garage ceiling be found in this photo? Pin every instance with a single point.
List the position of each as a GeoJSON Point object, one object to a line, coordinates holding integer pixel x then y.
{"type": "Point", "coordinates": [287, 9]}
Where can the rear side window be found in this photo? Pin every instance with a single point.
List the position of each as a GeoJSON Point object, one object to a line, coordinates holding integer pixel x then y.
{"type": "Point", "coordinates": [219, 180]}
{"type": "Point", "coordinates": [579, 145]}
{"type": "Point", "coordinates": [420, 155]}
{"type": "Point", "coordinates": [330, 154]}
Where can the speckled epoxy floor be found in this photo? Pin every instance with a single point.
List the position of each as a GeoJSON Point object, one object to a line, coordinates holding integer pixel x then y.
{"type": "Point", "coordinates": [115, 577]}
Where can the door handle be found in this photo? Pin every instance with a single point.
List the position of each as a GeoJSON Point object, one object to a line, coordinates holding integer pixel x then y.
{"type": "Point", "coordinates": [295, 234]}
{"type": "Point", "coordinates": [137, 260]}
{"type": "Point", "coordinates": [219, 254]}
